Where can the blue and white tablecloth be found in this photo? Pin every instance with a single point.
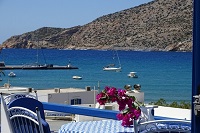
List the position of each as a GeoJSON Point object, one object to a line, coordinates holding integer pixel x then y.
{"type": "Point", "coordinates": [104, 126]}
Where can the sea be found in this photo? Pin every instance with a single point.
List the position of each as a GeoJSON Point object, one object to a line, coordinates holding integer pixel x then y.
{"type": "Point", "coordinates": [166, 75]}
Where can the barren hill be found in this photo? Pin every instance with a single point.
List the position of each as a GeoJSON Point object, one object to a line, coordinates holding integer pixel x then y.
{"type": "Point", "coordinates": [161, 25]}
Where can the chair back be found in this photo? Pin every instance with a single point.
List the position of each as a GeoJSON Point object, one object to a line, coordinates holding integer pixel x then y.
{"type": "Point", "coordinates": [23, 120]}
{"type": "Point", "coordinates": [23, 114]}
{"type": "Point", "coordinates": [9, 98]}
{"type": "Point", "coordinates": [28, 103]}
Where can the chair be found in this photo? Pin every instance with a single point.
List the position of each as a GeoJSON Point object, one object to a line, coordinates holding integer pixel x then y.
{"type": "Point", "coordinates": [147, 124]}
{"type": "Point", "coordinates": [10, 97]}
{"type": "Point", "coordinates": [23, 120]}
{"type": "Point", "coordinates": [11, 101]}
{"type": "Point", "coordinates": [163, 126]}
{"type": "Point", "coordinates": [28, 103]}
{"type": "Point", "coordinates": [23, 115]}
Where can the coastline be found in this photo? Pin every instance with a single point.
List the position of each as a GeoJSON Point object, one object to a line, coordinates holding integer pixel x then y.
{"type": "Point", "coordinates": [160, 74]}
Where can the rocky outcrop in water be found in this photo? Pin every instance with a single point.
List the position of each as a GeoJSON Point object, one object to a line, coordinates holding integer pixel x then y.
{"type": "Point", "coordinates": [161, 25]}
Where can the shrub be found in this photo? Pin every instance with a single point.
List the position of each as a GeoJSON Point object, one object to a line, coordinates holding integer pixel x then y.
{"type": "Point", "coordinates": [182, 104]}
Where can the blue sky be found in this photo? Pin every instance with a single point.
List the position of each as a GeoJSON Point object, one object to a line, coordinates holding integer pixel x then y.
{"type": "Point", "coordinates": [20, 16]}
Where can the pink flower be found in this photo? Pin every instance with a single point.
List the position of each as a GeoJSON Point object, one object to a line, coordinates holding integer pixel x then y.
{"type": "Point", "coordinates": [121, 93]}
{"type": "Point", "coordinates": [122, 106]}
{"type": "Point", "coordinates": [120, 116]}
{"type": "Point", "coordinates": [137, 113]}
{"type": "Point", "coordinates": [127, 106]}
{"type": "Point", "coordinates": [101, 98]}
{"type": "Point", "coordinates": [127, 120]}
{"type": "Point", "coordinates": [130, 102]}
{"type": "Point", "coordinates": [112, 92]}
{"type": "Point", "coordinates": [107, 88]}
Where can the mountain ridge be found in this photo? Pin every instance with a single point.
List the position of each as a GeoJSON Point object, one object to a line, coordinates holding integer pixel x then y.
{"type": "Point", "coordinates": [155, 26]}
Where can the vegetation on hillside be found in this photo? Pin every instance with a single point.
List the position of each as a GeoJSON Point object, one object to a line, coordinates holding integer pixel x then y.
{"type": "Point", "coordinates": [182, 104]}
{"type": "Point", "coordinates": [160, 25]}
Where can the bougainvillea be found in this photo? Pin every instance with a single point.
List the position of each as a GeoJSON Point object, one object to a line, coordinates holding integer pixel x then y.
{"type": "Point", "coordinates": [128, 106]}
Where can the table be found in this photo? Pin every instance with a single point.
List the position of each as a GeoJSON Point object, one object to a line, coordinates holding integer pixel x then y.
{"type": "Point", "coordinates": [104, 126]}
{"type": "Point", "coordinates": [114, 126]}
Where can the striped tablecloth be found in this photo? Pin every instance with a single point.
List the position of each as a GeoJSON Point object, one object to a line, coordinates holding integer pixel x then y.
{"type": "Point", "coordinates": [104, 126]}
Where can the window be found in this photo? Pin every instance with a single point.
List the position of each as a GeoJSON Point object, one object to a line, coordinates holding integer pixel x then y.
{"type": "Point", "coordinates": [75, 101]}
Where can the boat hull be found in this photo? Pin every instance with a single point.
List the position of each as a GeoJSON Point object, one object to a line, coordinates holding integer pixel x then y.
{"type": "Point", "coordinates": [112, 69]}
{"type": "Point", "coordinates": [77, 77]}
{"type": "Point", "coordinates": [132, 75]}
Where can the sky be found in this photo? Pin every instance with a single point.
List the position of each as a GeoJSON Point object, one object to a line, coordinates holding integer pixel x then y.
{"type": "Point", "coordinates": [21, 16]}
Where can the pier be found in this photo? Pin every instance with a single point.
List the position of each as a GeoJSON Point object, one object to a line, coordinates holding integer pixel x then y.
{"type": "Point", "coordinates": [35, 67]}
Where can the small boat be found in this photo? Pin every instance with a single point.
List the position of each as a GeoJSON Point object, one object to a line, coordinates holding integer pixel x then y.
{"type": "Point", "coordinates": [132, 75]}
{"type": "Point", "coordinates": [77, 77]}
{"type": "Point", "coordinates": [111, 67]}
{"type": "Point", "coordinates": [12, 74]}
{"type": "Point", "coordinates": [117, 69]}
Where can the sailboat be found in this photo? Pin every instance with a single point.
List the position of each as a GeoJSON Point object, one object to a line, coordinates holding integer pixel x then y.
{"type": "Point", "coordinates": [36, 65]}
{"type": "Point", "coordinates": [111, 67]}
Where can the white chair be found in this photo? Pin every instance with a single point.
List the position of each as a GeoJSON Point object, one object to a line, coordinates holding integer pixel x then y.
{"type": "Point", "coordinates": [163, 126]}
{"type": "Point", "coordinates": [24, 119]}
{"type": "Point", "coordinates": [147, 124]}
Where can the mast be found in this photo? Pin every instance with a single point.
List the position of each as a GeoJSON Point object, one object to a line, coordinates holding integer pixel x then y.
{"type": "Point", "coordinates": [37, 54]}
{"type": "Point", "coordinates": [118, 59]}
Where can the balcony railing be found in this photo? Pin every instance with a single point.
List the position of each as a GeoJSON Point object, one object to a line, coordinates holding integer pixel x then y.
{"type": "Point", "coordinates": [109, 114]}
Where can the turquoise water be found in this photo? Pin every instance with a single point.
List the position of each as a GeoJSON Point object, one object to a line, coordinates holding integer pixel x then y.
{"type": "Point", "coordinates": [161, 74]}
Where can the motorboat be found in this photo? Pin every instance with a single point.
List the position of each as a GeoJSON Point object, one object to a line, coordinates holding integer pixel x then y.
{"type": "Point", "coordinates": [77, 77]}
{"type": "Point", "coordinates": [132, 75]}
{"type": "Point", "coordinates": [117, 69]}
{"type": "Point", "coordinates": [12, 74]}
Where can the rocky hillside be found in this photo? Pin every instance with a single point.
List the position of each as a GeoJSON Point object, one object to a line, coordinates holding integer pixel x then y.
{"type": "Point", "coordinates": [161, 25]}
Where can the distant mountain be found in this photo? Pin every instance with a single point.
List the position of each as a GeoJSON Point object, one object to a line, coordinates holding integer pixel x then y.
{"type": "Point", "coordinates": [160, 25]}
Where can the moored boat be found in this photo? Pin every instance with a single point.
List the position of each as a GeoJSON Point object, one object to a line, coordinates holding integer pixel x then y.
{"type": "Point", "coordinates": [111, 67]}
{"type": "Point", "coordinates": [132, 75]}
{"type": "Point", "coordinates": [77, 77]}
{"type": "Point", "coordinates": [12, 74]}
